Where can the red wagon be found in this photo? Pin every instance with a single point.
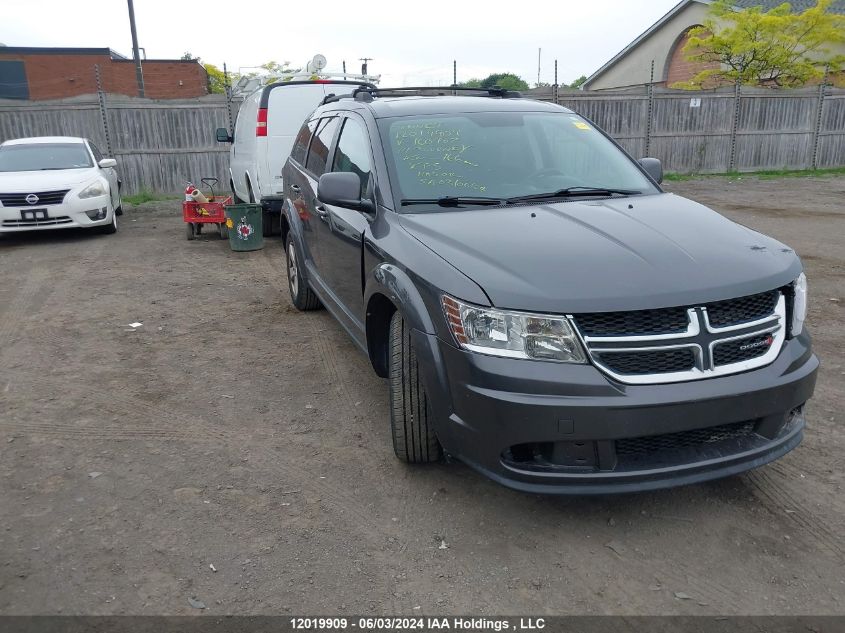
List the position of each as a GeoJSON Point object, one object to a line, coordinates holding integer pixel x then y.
{"type": "Point", "coordinates": [196, 214]}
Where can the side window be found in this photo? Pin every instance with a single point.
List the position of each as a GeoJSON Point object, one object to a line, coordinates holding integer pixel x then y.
{"type": "Point", "coordinates": [300, 145]}
{"type": "Point", "coordinates": [319, 152]}
{"type": "Point", "coordinates": [353, 152]}
{"type": "Point", "coordinates": [98, 155]}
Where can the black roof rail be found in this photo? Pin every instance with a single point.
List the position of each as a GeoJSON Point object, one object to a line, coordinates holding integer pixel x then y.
{"type": "Point", "coordinates": [332, 98]}
{"type": "Point", "coordinates": [367, 93]}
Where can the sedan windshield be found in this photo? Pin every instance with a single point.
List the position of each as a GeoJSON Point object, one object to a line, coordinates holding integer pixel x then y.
{"type": "Point", "coordinates": [482, 158]}
{"type": "Point", "coordinates": [44, 156]}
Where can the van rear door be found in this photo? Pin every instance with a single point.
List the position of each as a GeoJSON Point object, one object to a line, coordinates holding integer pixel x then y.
{"type": "Point", "coordinates": [287, 109]}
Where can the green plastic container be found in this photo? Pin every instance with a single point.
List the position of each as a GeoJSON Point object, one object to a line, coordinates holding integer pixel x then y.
{"type": "Point", "coordinates": [245, 230]}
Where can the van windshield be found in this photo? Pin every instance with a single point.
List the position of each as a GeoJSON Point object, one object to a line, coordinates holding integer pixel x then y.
{"type": "Point", "coordinates": [44, 156]}
{"type": "Point", "coordinates": [502, 155]}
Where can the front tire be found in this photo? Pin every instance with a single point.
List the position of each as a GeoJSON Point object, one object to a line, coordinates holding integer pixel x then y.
{"type": "Point", "coordinates": [414, 440]}
{"type": "Point", "coordinates": [301, 295]}
{"type": "Point", "coordinates": [110, 228]}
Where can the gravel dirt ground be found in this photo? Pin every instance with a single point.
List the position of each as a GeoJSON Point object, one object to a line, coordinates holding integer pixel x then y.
{"type": "Point", "coordinates": [234, 454]}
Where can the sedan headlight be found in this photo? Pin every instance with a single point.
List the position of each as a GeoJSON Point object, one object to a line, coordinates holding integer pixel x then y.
{"type": "Point", "coordinates": [799, 304]}
{"type": "Point", "coordinates": [513, 334]}
{"type": "Point", "coordinates": [94, 190]}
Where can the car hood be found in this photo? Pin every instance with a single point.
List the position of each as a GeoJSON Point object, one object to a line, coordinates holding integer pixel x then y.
{"type": "Point", "coordinates": [31, 181]}
{"type": "Point", "coordinates": [605, 255]}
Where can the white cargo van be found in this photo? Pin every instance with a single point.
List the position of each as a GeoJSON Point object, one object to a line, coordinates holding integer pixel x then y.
{"type": "Point", "coordinates": [267, 123]}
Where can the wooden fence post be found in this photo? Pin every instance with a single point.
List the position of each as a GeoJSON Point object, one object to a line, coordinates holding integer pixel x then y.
{"type": "Point", "coordinates": [735, 125]}
{"type": "Point", "coordinates": [649, 119]}
{"type": "Point", "coordinates": [819, 115]}
{"type": "Point", "coordinates": [104, 114]}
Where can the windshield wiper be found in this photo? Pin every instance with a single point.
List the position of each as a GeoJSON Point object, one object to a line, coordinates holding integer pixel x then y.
{"type": "Point", "coordinates": [454, 201]}
{"type": "Point", "coordinates": [571, 192]}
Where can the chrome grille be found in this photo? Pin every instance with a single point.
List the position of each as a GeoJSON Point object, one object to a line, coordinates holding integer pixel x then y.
{"type": "Point", "coordinates": [45, 198]}
{"type": "Point", "coordinates": [654, 362]}
{"type": "Point", "coordinates": [742, 310]}
{"type": "Point", "coordinates": [715, 339]}
{"type": "Point", "coordinates": [667, 321]}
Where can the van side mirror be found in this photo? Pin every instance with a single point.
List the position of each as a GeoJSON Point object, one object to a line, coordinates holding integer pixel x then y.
{"type": "Point", "coordinates": [343, 189]}
{"type": "Point", "coordinates": [653, 167]}
{"type": "Point", "coordinates": [107, 162]}
{"type": "Point", "coordinates": [223, 135]}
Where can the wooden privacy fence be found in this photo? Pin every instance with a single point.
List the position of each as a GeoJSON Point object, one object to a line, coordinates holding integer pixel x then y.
{"type": "Point", "coordinates": [734, 129]}
{"type": "Point", "coordinates": [161, 144]}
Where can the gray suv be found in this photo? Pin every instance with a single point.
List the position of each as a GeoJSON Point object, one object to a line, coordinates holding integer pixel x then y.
{"type": "Point", "coordinates": [541, 308]}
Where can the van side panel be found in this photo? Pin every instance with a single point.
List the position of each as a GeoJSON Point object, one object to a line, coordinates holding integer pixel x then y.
{"type": "Point", "coordinates": [287, 109]}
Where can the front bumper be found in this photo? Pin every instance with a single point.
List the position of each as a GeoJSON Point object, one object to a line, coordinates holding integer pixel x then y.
{"type": "Point", "coordinates": [72, 213]}
{"type": "Point", "coordinates": [569, 429]}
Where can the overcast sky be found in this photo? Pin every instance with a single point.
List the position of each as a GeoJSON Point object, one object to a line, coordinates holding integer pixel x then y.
{"type": "Point", "coordinates": [411, 43]}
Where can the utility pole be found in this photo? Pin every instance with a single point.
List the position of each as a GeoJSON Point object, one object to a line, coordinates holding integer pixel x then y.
{"type": "Point", "coordinates": [344, 69]}
{"type": "Point", "coordinates": [539, 57]}
{"type": "Point", "coordinates": [364, 61]}
{"type": "Point", "coordinates": [136, 55]}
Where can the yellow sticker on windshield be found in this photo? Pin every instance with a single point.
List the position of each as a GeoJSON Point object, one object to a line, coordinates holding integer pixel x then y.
{"type": "Point", "coordinates": [582, 126]}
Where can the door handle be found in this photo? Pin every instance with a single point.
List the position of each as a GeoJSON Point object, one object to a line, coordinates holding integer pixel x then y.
{"type": "Point", "coordinates": [323, 213]}
{"type": "Point", "coordinates": [295, 188]}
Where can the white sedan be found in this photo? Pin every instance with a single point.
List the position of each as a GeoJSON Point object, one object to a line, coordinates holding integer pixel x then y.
{"type": "Point", "coordinates": [57, 182]}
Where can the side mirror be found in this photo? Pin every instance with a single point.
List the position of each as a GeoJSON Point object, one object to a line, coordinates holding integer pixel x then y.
{"type": "Point", "coordinates": [343, 189]}
{"type": "Point", "coordinates": [107, 162]}
{"type": "Point", "coordinates": [223, 135]}
{"type": "Point", "coordinates": [653, 167]}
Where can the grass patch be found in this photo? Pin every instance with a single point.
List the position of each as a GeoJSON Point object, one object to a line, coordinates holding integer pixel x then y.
{"type": "Point", "coordinates": [146, 196]}
{"type": "Point", "coordinates": [763, 175]}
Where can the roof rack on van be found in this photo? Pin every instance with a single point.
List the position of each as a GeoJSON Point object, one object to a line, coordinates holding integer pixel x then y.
{"type": "Point", "coordinates": [367, 94]}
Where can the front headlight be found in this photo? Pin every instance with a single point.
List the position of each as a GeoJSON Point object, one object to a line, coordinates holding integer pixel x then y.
{"type": "Point", "coordinates": [799, 304]}
{"type": "Point", "coordinates": [94, 190]}
{"type": "Point", "coordinates": [513, 334]}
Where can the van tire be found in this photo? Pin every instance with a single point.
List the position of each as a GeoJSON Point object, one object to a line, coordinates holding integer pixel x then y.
{"type": "Point", "coordinates": [414, 440]}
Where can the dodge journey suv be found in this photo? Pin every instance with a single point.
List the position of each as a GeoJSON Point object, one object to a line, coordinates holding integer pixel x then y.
{"type": "Point", "coordinates": [541, 308]}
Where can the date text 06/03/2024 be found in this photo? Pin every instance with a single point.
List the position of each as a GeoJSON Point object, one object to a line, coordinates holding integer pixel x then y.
{"type": "Point", "coordinates": [416, 624]}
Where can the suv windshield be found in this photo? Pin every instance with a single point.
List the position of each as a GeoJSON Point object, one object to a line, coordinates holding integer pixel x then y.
{"type": "Point", "coordinates": [41, 156]}
{"type": "Point", "coordinates": [503, 155]}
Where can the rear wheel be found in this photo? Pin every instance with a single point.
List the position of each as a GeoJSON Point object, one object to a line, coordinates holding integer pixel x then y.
{"type": "Point", "coordinates": [414, 440]}
{"type": "Point", "coordinates": [302, 297]}
{"type": "Point", "coordinates": [189, 231]}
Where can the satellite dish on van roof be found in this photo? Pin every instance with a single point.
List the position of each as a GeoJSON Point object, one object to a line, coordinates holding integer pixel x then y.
{"type": "Point", "coordinates": [318, 62]}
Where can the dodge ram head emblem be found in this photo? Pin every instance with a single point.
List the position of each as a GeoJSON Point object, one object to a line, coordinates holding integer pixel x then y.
{"type": "Point", "coordinates": [32, 199]}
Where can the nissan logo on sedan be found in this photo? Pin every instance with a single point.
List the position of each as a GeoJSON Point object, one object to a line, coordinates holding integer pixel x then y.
{"type": "Point", "coordinates": [32, 198]}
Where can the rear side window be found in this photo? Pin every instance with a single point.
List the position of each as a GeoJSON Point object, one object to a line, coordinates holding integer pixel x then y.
{"type": "Point", "coordinates": [318, 155]}
{"type": "Point", "coordinates": [353, 153]}
{"type": "Point", "coordinates": [300, 145]}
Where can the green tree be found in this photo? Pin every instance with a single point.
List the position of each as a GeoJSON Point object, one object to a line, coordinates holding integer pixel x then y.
{"type": "Point", "coordinates": [578, 82]}
{"type": "Point", "coordinates": [508, 81]}
{"type": "Point", "coordinates": [765, 48]}
{"type": "Point", "coordinates": [216, 79]}
{"type": "Point", "coordinates": [472, 83]}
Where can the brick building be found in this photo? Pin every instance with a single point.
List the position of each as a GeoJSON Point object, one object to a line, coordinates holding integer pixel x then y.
{"type": "Point", "coordinates": [657, 55]}
{"type": "Point", "coordinates": [56, 73]}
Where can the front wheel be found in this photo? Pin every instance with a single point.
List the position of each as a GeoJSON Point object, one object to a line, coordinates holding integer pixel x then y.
{"type": "Point", "coordinates": [111, 227]}
{"type": "Point", "coordinates": [302, 297]}
{"type": "Point", "coordinates": [414, 440]}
